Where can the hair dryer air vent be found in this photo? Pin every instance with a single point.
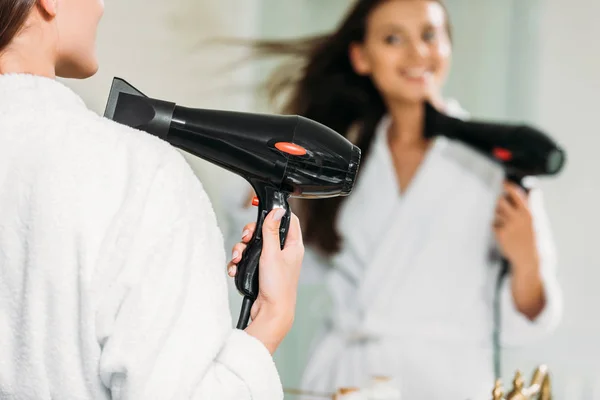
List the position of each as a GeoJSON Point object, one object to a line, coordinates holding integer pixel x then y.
{"type": "Point", "coordinates": [352, 171]}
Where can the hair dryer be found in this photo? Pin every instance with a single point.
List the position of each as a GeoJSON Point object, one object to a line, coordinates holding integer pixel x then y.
{"type": "Point", "coordinates": [521, 150]}
{"type": "Point", "coordinates": [281, 156]}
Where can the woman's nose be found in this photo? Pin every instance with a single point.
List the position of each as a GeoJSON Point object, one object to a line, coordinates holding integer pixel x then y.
{"type": "Point", "coordinates": [418, 50]}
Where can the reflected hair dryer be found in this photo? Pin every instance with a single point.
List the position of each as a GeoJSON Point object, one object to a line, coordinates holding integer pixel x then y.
{"type": "Point", "coordinates": [520, 149]}
{"type": "Point", "coordinates": [280, 156]}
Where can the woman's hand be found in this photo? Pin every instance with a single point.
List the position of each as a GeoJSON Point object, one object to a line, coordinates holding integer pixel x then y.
{"type": "Point", "coordinates": [435, 98]}
{"type": "Point", "coordinates": [279, 270]}
{"type": "Point", "coordinates": [513, 226]}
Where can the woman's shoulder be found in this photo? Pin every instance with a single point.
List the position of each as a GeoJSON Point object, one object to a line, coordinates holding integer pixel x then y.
{"type": "Point", "coordinates": [111, 143]}
{"type": "Point", "coordinates": [56, 124]}
{"type": "Point", "coordinates": [101, 152]}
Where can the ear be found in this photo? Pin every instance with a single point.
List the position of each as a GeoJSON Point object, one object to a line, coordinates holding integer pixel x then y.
{"type": "Point", "coordinates": [358, 59]}
{"type": "Point", "coordinates": [49, 7]}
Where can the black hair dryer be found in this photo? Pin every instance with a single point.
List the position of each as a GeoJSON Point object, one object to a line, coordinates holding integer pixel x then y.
{"type": "Point", "coordinates": [520, 149]}
{"type": "Point", "coordinates": [281, 156]}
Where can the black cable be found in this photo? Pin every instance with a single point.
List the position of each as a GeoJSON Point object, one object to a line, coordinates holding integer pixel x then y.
{"type": "Point", "coordinates": [245, 313]}
{"type": "Point", "coordinates": [497, 319]}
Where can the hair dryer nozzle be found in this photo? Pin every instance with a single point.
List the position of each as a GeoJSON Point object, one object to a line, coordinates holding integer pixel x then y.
{"type": "Point", "coordinates": [130, 107]}
{"type": "Point", "coordinates": [555, 161]}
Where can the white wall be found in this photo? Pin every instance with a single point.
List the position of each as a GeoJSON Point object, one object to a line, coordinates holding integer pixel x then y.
{"type": "Point", "coordinates": [568, 106]}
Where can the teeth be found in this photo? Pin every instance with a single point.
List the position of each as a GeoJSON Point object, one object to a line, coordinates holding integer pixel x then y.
{"type": "Point", "coordinates": [416, 72]}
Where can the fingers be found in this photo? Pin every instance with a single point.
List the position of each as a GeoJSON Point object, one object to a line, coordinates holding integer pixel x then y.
{"type": "Point", "coordinates": [270, 238]}
{"type": "Point", "coordinates": [248, 232]}
{"type": "Point", "coordinates": [511, 206]}
{"type": "Point", "coordinates": [236, 256]}
{"type": "Point", "coordinates": [231, 269]}
{"type": "Point", "coordinates": [294, 236]}
{"type": "Point", "coordinates": [499, 221]}
{"type": "Point", "coordinates": [270, 231]}
{"type": "Point", "coordinates": [238, 249]}
{"type": "Point", "coordinates": [516, 195]}
{"type": "Point", "coordinates": [504, 208]}
{"type": "Point", "coordinates": [436, 100]}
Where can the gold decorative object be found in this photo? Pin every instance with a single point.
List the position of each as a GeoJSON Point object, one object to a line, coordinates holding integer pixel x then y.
{"type": "Point", "coordinates": [345, 391]}
{"type": "Point", "coordinates": [539, 389]}
{"type": "Point", "coordinates": [498, 392]}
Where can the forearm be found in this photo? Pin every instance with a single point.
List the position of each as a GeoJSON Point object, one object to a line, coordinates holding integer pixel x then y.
{"type": "Point", "coordinates": [527, 288]}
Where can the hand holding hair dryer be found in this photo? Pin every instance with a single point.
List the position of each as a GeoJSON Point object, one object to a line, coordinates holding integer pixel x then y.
{"type": "Point", "coordinates": [281, 156]}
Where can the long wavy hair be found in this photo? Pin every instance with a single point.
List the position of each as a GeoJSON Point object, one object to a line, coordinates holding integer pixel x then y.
{"type": "Point", "coordinates": [320, 83]}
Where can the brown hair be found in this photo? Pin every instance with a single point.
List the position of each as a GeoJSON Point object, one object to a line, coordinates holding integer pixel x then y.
{"type": "Point", "coordinates": [320, 83]}
{"type": "Point", "coordinates": [13, 14]}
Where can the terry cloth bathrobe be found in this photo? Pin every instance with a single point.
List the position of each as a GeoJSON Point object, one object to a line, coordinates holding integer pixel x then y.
{"type": "Point", "coordinates": [112, 267]}
{"type": "Point", "coordinates": [413, 286]}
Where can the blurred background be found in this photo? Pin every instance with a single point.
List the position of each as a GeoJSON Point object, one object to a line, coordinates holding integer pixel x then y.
{"type": "Point", "coordinates": [536, 61]}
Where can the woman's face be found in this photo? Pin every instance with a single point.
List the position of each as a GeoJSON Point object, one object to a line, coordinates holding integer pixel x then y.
{"type": "Point", "coordinates": [406, 49]}
{"type": "Point", "coordinates": [76, 26]}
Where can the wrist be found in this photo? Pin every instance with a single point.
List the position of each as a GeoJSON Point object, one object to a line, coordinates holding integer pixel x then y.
{"type": "Point", "coordinates": [270, 327]}
{"type": "Point", "coordinates": [526, 267]}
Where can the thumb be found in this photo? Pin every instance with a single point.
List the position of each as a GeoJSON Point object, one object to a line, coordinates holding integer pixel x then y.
{"type": "Point", "coordinates": [270, 231]}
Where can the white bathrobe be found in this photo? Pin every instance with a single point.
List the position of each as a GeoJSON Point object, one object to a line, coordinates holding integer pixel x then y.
{"type": "Point", "coordinates": [413, 286]}
{"type": "Point", "coordinates": [112, 267]}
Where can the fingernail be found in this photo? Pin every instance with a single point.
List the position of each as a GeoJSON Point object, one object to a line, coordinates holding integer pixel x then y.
{"type": "Point", "coordinates": [279, 214]}
{"type": "Point", "coordinates": [235, 255]}
{"type": "Point", "coordinates": [231, 270]}
{"type": "Point", "coordinates": [245, 233]}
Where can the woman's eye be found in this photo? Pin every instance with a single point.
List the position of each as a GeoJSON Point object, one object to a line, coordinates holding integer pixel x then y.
{"type": "Point", "coordinates": [393, 39]}
{"type": "Point", "coordinates": [429, 36]}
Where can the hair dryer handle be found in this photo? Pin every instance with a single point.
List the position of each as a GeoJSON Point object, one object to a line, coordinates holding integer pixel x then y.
{"type": "Point", "coordinates": [246, 279]}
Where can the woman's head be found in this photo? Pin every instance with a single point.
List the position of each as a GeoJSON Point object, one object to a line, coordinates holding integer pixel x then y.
{"type": "Point", "coordinates": [384, 52]}
{"type": "Point", "coordinates": [50, 37]}
{"type": "Point", "coordinates": [405, 48]}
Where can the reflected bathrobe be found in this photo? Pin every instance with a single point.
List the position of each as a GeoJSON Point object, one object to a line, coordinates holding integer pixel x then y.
{"type": "Point", "coordinates": [412, 288]}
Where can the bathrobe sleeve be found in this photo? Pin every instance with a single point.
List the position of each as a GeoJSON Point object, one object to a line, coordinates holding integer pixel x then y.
{"type": "Point", "coordinates": [163, 321]}
{"type": "Point", "coordinates": [516, 328]}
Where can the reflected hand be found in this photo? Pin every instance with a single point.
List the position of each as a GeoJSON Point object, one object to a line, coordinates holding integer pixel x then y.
{"type": "Point", "coordinates": [513, 226]}
{"type": "Point", "coordinates": [514, 229]}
